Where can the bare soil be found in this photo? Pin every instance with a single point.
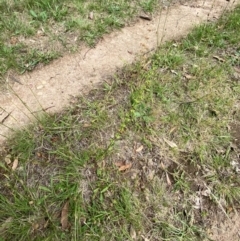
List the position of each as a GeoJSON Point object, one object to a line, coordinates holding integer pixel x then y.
{"type": "Point", "coordinates": [223, 228]}
{"type": "Point", "coordinates": [52, 87]}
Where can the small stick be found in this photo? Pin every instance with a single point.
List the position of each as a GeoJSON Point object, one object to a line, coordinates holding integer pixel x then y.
{"type": "Point", "coordinates": [15, 80]}
{"type": "Point", "coordinates": [2, 121]}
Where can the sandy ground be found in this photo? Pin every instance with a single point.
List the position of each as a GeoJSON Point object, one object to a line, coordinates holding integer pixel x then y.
{"type": "Point", "coordinates": [52, 87]}
{"type": "Point", "coordinates": [225, 228]}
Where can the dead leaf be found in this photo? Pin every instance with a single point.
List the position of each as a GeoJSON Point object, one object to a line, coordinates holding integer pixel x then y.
{"type": "Point", "coordinates": [119, 164]}
{"type": "Point", "coordinates": [101, 164]}
{"type": "Point", "coordinates": [229, 209]}
{"type": "Point", "coordinates": [172, 130]}
{"type": "Point", "coordinates": [15, 164]}
{"type": "Point", "coordinates": [218, 58]}
{"type": "Point", "coordinates": [14, 40]}
{"type": "Point", "coordinates": [125, 167]}
{"type": "Point", "coordinates": [197, 202]}
{"type": "Point", "coordinates": [46, 224]}
{"type": "Point", "coordinates": [174, 72]}
{"type": "Point", "coordinates": [35, 226]}
{"type": "Point", "coordinates": [40, 224]}
{"type": "Point", "coordinates": [139, 149]}
{"type": "Point", "coordinates": [91, 15]}
{"type": "Point", "coordinates": [64, 216]}
{"type": "Point", "coordinates": [162, 166]}
{"type": "Point", "coordinates": [206, 193]}
{"type": "Point", "coordinates": [54, 139]}
{"type": "Point", "coordinates": [133, 233]}
{"type": "Point", "coordinates": [145, 17]}
{"type": "Point", "coordinates": [86, 125]}
{"type": "Point", "coordinates": [168, 180]}
{"type": "Point", "coordinates": [188, 76]}
{"type": "Point", "coordinates": [170, 143]}
{"type": "Point", "coordinates": [40, 33]}
{"type": "Point", "coordinates": [8, 159]}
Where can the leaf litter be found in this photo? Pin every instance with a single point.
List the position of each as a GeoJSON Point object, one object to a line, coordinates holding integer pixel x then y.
{"type": "Point", "coordinates": [64, 216]}
{"type": "Point", "coordinates": [15, 164]}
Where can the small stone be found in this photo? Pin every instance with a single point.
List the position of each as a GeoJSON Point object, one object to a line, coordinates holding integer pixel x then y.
{"type": "Point", "coordinates": [39, 87]}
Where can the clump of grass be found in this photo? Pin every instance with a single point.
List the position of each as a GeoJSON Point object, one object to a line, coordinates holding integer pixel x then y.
{"type": "Point", "coordinates": [146, 155]}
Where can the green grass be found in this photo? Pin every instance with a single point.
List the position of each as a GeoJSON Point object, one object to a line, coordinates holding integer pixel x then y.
{"type": "Point", "coordinates": [33, 32]}
{"type": "Point", "coordinates": [168, 116]}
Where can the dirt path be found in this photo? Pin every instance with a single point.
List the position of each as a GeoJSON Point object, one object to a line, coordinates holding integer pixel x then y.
{"type": "Point", "coordinates": [52, 86]}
